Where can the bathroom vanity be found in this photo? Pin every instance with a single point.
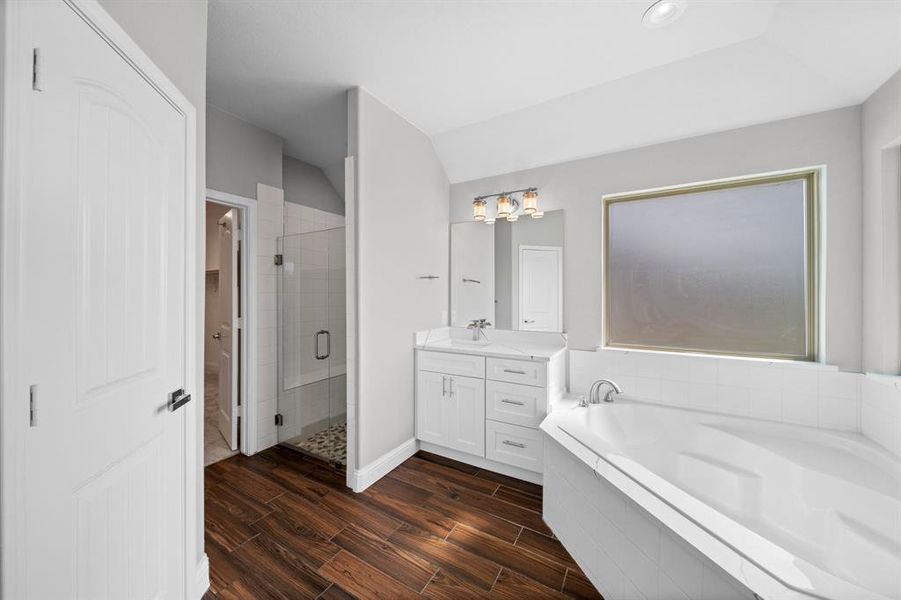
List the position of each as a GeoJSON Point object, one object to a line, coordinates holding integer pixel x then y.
{"type": "Point", "coordinates": [481, 402]}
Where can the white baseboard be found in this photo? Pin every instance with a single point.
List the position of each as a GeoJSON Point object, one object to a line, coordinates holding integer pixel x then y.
{"type": "Point", "coordinates": [483, 463]}
{"type": "Point", "coordinates": [363, 478]}
{"type": "Point", "coordinates": [202, 578]}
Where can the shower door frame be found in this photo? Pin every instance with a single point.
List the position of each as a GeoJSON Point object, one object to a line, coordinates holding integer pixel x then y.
{"type": "Point", "coordinates": [282, 391]}
{"type": "Point", "coordinates": [247, 410]}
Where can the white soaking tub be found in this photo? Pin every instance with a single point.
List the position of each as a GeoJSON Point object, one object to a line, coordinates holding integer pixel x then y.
{"type": "Point", "coordinates": [659, 502]}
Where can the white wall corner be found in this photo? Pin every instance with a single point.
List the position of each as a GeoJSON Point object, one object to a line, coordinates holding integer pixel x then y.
{"type": "Point", "coordinates": [201, 581]}
{"type": "Point", "coordinates": [363, 478]}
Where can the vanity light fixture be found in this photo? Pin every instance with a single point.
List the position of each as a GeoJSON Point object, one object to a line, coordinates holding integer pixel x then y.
{"type": "Point", "coordinates": [478, 209]}
{"type": "Point", "coordinates": [530, 202]}
{"type": "Point", "coordinates": [504, 206]}
{"type": "Point", "coordinates": [507, 206]}
{"type": "Point", "coordinates": [663, 12]}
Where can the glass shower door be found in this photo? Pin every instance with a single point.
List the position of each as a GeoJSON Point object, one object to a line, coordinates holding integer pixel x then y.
{"type": "Point", "coordinates": [312, 343]}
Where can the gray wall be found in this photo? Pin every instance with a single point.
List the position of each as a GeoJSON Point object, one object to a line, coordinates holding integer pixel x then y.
{"type": "Point", "coordinates": [308, 185]}
{"type": "Point", "coordinates": [881, 225]}
{"type": "Point", "coordinates": [830, 138]}
{"type": "Point", "coordinates": [240, 155]}
{"type": "Point", "coordinates": [173, 35]}
{"type": "Point", "coordinates": [400, 230]}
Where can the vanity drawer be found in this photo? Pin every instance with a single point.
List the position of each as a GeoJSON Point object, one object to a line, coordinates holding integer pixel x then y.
{"type": "Point", "coordinates": [465, 365]}
{"type": "Point", "coordinates": [524, 405]}
{"type": "Point", "coordinates": [517, 371]}
{"type": "Point", "coordinates": [514, 445]}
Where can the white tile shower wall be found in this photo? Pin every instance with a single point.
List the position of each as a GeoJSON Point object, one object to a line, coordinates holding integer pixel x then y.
{"type": "Point", "coordinates": [806, 394]}
{"type": "Point", "coordinates": [270, 203]}
{"type": "Point", "coordinates": [303, 219]}
{"type": "Point", "coordinates": [626, 553]}
{"type": "Point", "coordinates": [881, 410]}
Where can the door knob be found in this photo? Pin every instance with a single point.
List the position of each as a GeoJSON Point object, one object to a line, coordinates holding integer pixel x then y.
{"type": "Point", "coordinates": [217, 336]}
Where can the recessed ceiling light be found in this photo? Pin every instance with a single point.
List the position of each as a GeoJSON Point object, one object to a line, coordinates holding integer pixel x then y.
{"type": "Point", "coordinates": [663, 12]}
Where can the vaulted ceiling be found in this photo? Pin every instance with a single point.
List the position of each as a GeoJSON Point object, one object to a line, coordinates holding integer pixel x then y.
{"type": "Point", "coordinates": [502, 86]}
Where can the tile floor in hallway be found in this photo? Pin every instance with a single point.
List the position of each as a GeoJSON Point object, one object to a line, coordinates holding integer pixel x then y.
{"type": "Point", "coordinates": [283, 525]}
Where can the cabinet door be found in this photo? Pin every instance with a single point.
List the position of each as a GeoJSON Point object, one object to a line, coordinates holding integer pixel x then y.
{"type": "Point", "coordinates": [466, 415]}
{"type": "Point", "coordinates": [431, 400]}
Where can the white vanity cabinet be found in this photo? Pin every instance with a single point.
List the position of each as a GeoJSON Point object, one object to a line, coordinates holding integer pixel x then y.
{"type": "Point", "coordinates": [450, 411]}
{"type": "Point", "coordinates": [486, 409]}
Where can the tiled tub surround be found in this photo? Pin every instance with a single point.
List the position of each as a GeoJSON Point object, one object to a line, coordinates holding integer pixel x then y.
{"type": "Point", "coordinates": [880, 410]}
{"type": "Point", "coordinates": [789, 511]}
{"type": "Point", "coordinates": [810, 394]}
{"type": "Point", "coordinates": [815, 395]}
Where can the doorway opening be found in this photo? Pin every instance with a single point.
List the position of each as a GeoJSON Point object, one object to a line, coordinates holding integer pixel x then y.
{"type": "Point", "coordinates": [224, 337]}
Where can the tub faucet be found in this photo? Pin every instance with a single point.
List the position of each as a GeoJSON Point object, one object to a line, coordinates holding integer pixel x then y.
{"type": "Point", "coordinates": [595, 391]}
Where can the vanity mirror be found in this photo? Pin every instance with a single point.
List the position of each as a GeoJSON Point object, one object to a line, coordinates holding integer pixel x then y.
{"type": "Point", "coordinates": [508, 272]}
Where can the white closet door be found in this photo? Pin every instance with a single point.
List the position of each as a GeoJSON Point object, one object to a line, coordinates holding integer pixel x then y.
{"type": "Point", "coordinates": [102, 255]}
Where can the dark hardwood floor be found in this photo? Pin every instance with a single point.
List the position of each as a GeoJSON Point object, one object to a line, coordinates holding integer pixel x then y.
{"type": "Point", "coordinates": [282, 525]}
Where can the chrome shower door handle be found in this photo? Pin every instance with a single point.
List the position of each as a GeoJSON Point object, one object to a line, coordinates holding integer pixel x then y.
{"type": "Point", "coordinates": [328, 344]}
{"type": "Point", "coordinates": [316, 344]}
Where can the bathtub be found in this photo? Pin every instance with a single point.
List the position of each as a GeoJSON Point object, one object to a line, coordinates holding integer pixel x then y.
{"type": "Point", "coordinates": [659, 502]}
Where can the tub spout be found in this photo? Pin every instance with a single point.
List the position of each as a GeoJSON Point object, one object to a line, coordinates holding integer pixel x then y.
{"type": "Point", "coordinates": [594, 393]}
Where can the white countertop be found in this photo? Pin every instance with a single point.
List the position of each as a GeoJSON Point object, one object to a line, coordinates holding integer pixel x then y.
{"type": "Point", "coordinates": [495, 343]}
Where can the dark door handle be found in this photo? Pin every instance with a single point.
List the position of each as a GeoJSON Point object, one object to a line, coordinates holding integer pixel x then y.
{"type": "Point", "coordinates": [177, 399]}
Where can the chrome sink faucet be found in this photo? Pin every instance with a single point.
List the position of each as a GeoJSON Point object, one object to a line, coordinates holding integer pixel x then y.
{"type": "Point", "coordinates": [595, 392]}
{"type": "Point", "coordinates": [477, 325]}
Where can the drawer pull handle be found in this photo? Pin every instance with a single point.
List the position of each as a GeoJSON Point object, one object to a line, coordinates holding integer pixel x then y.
{"type": "Point", "coordinates": [514, 444]}
{"type": "Point", "coordinates": [515, 371]}
{"type": "Point", "coordinates": [516, 402]}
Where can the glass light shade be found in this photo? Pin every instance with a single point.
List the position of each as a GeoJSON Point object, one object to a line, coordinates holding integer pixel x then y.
{"type": "Point", "coordinates": [530, 202]}
{"type": "Point", "coordinates": [504, 207]}
{"type": "Point", "coordinates": [512, 218]}
{"type": "Point", "coordinates": [537, 214]}
{"type": "Point", "coordinates": [478, 210]}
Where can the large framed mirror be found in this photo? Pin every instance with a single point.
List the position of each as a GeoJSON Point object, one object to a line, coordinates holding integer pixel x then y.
{"type": "Point", "coordinates": [508, 272]}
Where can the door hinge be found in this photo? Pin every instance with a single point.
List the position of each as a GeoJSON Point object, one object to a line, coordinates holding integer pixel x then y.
{"type": "Point", "coordinates": [33, 406]}
{"type": "Point", "coordinates": [279, 420]}
{"type": "Point", "coordinates": [279, 259]}
{"type": "Point", "coordinates": [37, 65]}
{"type": "Point", "coordinates": [239, 323]}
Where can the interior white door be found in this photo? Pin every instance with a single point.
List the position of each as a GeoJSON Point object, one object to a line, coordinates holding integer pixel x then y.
{"type": "Point", "coordinates": [227, 420]}
{"type": "Point", "coordinates": [540, 288]}
{"type": "Point", "coordinates": [102, 226]}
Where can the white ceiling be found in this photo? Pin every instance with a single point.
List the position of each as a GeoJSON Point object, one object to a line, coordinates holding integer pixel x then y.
{"type": "Point", "coordinates": [502, 86]}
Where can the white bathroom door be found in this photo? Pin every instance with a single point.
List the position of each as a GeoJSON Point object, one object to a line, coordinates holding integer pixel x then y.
{"type": "Point", "coordinates": [101, 226]}
{"type": "Point", "coordinates": [540, 288]}
{"type": "Point", "coordinates": [228, 318]}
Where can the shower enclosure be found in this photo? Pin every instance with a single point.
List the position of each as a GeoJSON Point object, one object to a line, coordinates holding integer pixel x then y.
{"type": "Point", "coordinates": [312, 385]}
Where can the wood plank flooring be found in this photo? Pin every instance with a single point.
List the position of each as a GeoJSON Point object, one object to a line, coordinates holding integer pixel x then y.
{"type": "Point", "coordinates": [280, 525]}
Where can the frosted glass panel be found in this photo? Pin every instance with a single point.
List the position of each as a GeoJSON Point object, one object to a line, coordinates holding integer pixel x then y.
{"type": "Point", "coordinates": [719, 271]}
